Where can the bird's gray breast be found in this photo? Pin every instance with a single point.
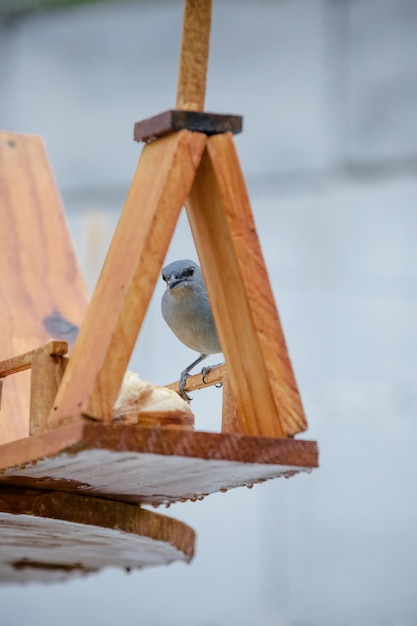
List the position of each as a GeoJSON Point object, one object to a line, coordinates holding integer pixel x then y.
{"type": "Point", "coordinates": [188, 314]}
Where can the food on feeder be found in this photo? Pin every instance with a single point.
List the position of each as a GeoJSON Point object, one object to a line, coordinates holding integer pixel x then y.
{"type": "Point", "coordinates": [140, 402]}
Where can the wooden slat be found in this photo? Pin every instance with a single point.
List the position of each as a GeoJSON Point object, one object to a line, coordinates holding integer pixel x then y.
{"type": "Point", "coordinates": [262, 379]}
{"type": "Point", "coordinates": [102, 351]}
{"type": "Point", "coordinates": [152, 465]}
{"type": "Point", "coordinates": [51, 536]}
{"type": "Point", "coordinates": [40, 276]}
{"type": "Point", "coordinates": [191, 88]}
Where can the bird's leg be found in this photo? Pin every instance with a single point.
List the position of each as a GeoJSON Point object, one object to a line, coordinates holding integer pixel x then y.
{"type": "Point", "coordinates": [206, 370]}
{"type": "Point", "coordinates": [185, 374]}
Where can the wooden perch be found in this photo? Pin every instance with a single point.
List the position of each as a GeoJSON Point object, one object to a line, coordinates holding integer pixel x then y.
{"type": "Point", "coordinates": [214, 377]}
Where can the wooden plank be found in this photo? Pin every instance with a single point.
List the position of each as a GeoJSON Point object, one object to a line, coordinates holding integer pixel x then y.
{"type": "Point", "coordinates": [150, 465]}
{"type": "Point", "coordinates": [173, 120]}
{"type": "Point", "coordinates": [195, 41]}
{"type": "Point", "coordinates": [51, 536]}
{"type": "Point", "coordinates": [39, 272]}
{"type": "Point", "coordinates": [107, 337]}
{"type": "Point", "coordinates": [262, 379]}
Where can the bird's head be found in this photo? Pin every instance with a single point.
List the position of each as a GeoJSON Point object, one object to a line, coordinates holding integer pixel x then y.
{"type": "Point", "coordinates": [179, 274]}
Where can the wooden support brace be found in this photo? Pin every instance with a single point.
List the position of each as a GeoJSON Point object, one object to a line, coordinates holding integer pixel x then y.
{"type": "Point", "coordinates": [108, 334]}
{"type": "Point", "coordinates": [250, 333]}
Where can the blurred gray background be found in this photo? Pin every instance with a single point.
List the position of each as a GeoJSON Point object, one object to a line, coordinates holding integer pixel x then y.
{"type": "Point", "coordinates": [328, 90]}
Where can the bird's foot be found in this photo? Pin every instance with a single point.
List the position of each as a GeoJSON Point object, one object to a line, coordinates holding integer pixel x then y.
{"type": "Point", "coordinates": [205, 372]}
{"type": "Point", "coordinates": [183, 381]}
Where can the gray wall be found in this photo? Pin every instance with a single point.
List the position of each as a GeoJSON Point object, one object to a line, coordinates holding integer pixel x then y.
{"type": "Point", "coordinates": [329, 94]}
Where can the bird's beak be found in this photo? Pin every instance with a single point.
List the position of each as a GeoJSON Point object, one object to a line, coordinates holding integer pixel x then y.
{"type": "Point", "coordinates": [172, 281]}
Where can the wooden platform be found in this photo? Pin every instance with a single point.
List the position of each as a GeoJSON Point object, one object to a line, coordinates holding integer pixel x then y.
{"type": "Point", "coordinates": [47, 536]}
{"type": "Point", "coordinates": [145, 465]}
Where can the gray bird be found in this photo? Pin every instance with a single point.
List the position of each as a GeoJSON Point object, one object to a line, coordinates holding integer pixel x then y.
{"type": "Point", "coordinates": [186, 309]}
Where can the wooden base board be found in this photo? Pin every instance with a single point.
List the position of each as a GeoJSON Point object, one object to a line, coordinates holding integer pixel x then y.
{"type": "Point", "coordinates": [48, 536]}
{"type": "Point", "coordinates": [149, 465]}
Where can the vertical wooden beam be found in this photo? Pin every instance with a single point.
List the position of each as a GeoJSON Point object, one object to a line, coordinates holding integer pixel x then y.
{"type": "Point", "coordinates": [250, 333]}
{"type": "Point", "coordinates": [107, 337]}
{"type": "Point", "coordinates": [47, 372]}
{"type": "Point", "coordinates": [230, 420]}
{"type": "Point", "coordinates": [191, 88]}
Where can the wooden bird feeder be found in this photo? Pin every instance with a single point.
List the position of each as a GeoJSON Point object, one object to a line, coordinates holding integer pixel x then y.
{"type": "Point", "coordinates": [58, 442]}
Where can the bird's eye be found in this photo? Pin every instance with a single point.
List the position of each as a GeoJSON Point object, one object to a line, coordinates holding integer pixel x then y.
{"type": "Point", "coordinates": [190, 271]}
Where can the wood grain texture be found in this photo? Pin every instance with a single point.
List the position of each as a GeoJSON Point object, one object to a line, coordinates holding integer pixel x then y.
{"type": "Point", "coordinates": [230, 420]}
{"type": "Point", "coordinates": [104, 345]}
{"type": "Point", "coordinates": [38, 267]}
{"type": "Point", "coordinates": [262, 379]}
{"type": "Point", "coordinates": [49, 536]}
{"type": "Point", "coordinates": [197, 121]}
{"type": "Point", "coordinates": [150, 465]}
{"type": "Point", "coordinates": [195, 41]}
{"type": "Point", "coordinates": [46, 377]}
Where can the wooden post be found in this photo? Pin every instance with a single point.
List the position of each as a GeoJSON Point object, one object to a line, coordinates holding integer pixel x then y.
{"type": "Point", "coordinates": [107, 337]}
{"type": "Point", "coordinates": [230, 420]}
{"type": "Point", "coordinates": [47, 372]}
{"type": "Point", "coordinates": [195, 41]}
{"type": "Point", "coordinates": [250, 333]}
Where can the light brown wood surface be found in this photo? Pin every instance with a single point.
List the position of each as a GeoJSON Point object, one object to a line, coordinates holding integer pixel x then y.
{"type": "Point", "coordinates": [52, 536]}
{"type": "Point", "coordinates": [230, 419]}
{"type": "Point", "coordinates": [151, 465]}
{"type": "Point", "coordinates": [191, 88]}
{"type": "Point", "coordinates": [38, 268]}
{"type": "Point", "coordinates": [261, 376]}
{"type": "Point", "coordinates": [46, 376]}
{"type": "Point", "coordinates": [160, 185]}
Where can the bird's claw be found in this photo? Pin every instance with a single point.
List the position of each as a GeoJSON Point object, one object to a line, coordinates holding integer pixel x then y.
{"type": "Point", "coordinates": [205, 371]}
{"type": "Point", "coordinates": [183, 381]}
